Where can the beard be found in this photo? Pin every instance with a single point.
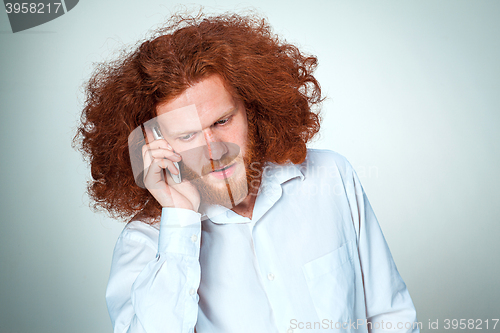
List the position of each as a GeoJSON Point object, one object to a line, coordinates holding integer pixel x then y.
{"type": "Point", "coordinates": [233, 188]}
{"type": "Point", "coordinates": [227, 192]}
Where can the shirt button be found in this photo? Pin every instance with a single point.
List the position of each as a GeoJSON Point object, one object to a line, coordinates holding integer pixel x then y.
{"type": "Point", "coordinates": [289, 330]}
{"type": "Point", "coordinates": [270, 276]}
{"type": "Point", "coordinates": [194, 238]}
{"type": "Point", "coordinates": [192, 291]}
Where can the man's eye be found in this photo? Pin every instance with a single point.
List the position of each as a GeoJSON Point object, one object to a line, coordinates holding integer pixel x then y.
{"type": "Point", "coordinates": [186, 137]}
{"type": "Point", "coordinates": [222, 121]}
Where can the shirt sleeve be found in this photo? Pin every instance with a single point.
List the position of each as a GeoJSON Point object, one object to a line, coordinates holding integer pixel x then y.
{"type": "Point", "coordinates": [386, 297]}
{"type": "Point", "coordinates": [155, 289]}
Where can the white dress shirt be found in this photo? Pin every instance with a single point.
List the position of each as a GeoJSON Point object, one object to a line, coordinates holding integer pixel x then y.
{"type": "Point", "coordinates": [311, 259]}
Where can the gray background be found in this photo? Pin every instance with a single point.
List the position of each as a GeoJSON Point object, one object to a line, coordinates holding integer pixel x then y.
{"type": "Point", "coordinates": [413, 103]}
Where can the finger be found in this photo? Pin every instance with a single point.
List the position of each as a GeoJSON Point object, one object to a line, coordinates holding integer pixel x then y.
{"type": "Point", "coordinates": [154, 175]}
{"type": "Point", "coordinates": [159, 144]}
{"type": "Point", "coordinates": [172, 170]}
{"type": "Point", "coordinates": [167, 164]}
{"type": "Point", "coordinates": [150, 154]}
{"type": "Point", "coordinates": [163, 153]}
{"type": "Point", "coordinates": [156, 144]}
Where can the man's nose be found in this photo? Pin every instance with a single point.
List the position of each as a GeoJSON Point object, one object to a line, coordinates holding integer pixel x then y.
{"type": "Point", "coordinates": [215, 147]}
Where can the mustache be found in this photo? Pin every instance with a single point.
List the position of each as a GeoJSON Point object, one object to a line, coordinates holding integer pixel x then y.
{"type": "Point", "coordinates": [219, 164]}
{"type": "Point", "coordinates": [210, 165]}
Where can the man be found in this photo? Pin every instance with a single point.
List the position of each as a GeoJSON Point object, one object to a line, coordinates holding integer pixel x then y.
{"type": "Point", "coordinates": [295, 248]}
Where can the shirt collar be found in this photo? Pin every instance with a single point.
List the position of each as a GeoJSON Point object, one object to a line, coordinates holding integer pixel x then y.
{"type": "Point", "coordinates": [280, 173]}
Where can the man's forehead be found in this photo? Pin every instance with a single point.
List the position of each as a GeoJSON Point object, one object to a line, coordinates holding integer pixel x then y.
{"type": "Point", "coordinates": [206, 94]}
{"type": "Point", "coordinates": [177, 121]}
{"type": "Point", "coordinates": [186, 113]}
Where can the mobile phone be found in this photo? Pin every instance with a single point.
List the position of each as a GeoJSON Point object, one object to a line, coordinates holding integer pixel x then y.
{"type": "Point", "coordinates": [157, 135]}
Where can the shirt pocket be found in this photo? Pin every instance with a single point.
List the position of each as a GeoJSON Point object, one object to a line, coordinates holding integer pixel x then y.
{"type": "Point", "coordinates": [331, 283]}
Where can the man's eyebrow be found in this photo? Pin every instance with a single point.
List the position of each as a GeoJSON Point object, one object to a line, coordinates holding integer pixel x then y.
{"type": "Point", "coordinates": [185, 132]}
{"type": "Point", "coordinates": [225, 115]}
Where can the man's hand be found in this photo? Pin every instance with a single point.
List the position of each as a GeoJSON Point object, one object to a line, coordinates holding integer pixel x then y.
{"type": "Point", "coordinates": [158, 156]}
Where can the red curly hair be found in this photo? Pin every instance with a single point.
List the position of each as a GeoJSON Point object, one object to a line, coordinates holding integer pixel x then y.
{"type": "Point", "coordinates": [271, 77]}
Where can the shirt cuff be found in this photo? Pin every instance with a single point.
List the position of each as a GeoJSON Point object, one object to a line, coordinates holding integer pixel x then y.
{"type": "Point", "coordinates": [180, 232]}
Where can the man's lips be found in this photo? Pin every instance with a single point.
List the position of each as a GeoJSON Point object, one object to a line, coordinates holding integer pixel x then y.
{"type": "Point", "coordinates": [224, 172]}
